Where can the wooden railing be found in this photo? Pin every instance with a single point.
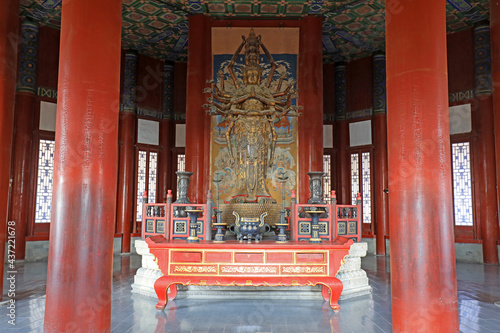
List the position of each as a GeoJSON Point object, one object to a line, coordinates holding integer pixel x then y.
{"type": "Point", "coordinates": [338, 220]}
{"type": "Point", "coordinates": [168, 219]}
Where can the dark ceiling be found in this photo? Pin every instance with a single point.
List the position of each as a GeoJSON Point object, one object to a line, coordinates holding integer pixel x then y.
{"type": "Point", "coordinates": [351, 28]}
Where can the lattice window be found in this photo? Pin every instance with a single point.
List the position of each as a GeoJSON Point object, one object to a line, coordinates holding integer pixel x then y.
{"type": "Point", "coordinates": [361, 182]}
{"type": "Point", "coordinates": [44, 181]}
{"type": "Point", "coordinates": [354, 177]}
{"type": "Point", "coordinates": [147, 177]}
{"type": "Point", "coordinates": [462, 184]}
{"type": "Point", "coordinates": [181, 166]}
{"type": "Point", "coordinates": [366, 183]}
{"type": "Point", "coordinates": [141, 181]}
{"type": "Point", "coordinates": [181, 162]}
{"type": "Point", "coordinates": [327, 181]}
{"type": "Point", "coordinates": [153, 165]}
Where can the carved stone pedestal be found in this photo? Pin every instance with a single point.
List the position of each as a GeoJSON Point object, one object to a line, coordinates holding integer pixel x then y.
{"type": "Point", "coordinates": [352, 276]}
{"type": "Point", "coordinates": [146, 275]}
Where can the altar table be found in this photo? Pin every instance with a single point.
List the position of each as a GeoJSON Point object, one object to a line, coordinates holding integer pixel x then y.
{"type": "Point", "coordinates": [242, 264]}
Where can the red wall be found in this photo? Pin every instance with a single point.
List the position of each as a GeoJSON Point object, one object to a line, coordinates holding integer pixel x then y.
{"type": "Point", "coordinates": [149, 83]}
{"type": "Point", "coordinates": [359, 84]}
{"type": "Point", "coordinates": [329, 88]}
{"type": "Point", "coordinates": [460, 47]}
{"type": "Point", "coordinates": [48, 57]}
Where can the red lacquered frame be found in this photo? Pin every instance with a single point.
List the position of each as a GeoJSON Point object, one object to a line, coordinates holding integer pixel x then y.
{"type": "Point", "coordinates": [242, 264]}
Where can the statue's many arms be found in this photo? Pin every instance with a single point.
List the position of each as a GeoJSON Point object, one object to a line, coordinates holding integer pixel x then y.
{"type": "Point", "coordinates": [252, 109]}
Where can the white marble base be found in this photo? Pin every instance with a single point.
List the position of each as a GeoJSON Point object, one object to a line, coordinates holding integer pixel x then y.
{"type": "Point", "coordinates": [352, 276]}
{"type": "Point", "coordinates": [145, 276]}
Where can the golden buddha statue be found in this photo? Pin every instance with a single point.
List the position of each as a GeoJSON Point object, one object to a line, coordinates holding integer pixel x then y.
{"type": "Point", "coordinates": [251, 109]}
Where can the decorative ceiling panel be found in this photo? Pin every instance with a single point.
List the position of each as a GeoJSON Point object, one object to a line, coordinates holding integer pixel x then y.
{"type": "Point", "coordinates": [351, 28]}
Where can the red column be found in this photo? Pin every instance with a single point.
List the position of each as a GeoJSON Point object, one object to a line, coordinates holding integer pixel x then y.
{"type": "Point", "coordinates": [488, 207]}
{"type": "Point", "coordinates": [495, 68]}
{"type": "Point", "coordinates": [8, 66]}
{"type": "Point", "coordinates": [423, 273]}
{"type": "Point", "coordinates": [126, 140]}
{"type": "Point", "coordinates": [79, 276]}
{"type": "Point", "coordinates": [167, 129]}
{"type": "Point", "coordinates": [310, 84]}
{"type": "Point", "coordinates": [381, 181]}
{"type": "Point", "coordinates": [380, 126]}
{"type": "Point", "coordinates": [341, 136]}
{"type": "Point", "coordinates": [165, 159]}
{"type": "Point", "coordinates": [343, 163]}
{"type": "Point", "coordinates": [199, 57]}
{"type": "Point", "coordinates": [23, 128]}
{"type": "Point", "coordinates": [23, 124]}
{"type": "Point", "coordinates": [486, 143]}
{"type": "Point", "coordinates": [126, 176]}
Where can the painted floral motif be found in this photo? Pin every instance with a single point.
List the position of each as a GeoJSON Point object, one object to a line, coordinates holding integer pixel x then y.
{"type": "Point", "coordinates": [304, 269]}
{"type": "Point", "coordinates": [195, 269]}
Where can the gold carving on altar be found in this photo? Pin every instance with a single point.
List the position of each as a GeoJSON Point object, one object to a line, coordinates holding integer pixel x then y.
{"type": "Point", "coordinates": [304, 269]}
{"type": "Point", "coordinates": [249, 269]}
{"type": "Point", "coordinates": [250, 106]}
{"type": "Point", "coordinates": [195, 269]}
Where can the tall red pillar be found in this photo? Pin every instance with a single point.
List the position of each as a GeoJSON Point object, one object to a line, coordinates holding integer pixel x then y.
{"type": "Point", "coordinates": [23, 130]}
{"type": "Point", "coordinates": [79, 276]}
{"type": "Point", "coordinates": [199, 63]}
{"type": "Point", "coordinates": [423, 272]}
{"type": "Point", "coordinates": [126, 140]}
{"type": "Point", "coordinates": [381, 182]}
{"type": "Point", "coordinates": [167, 129]}
{"type": "Point", "coordinates": [125, 203]}
{"type": "Point", "coordinates": [343, 162]}
{"type": "Point", "coordinates": [486, 143]}
{"type": "Point", "coordinates": [341, 136]}
{"type": "Point", "coordinates": [310, 84]}
{"type": "Point", "coordinates": [381, 176]}
{"type": "Point", "coordinates": [487, 182]}
{"type": "Point", "coordinates": [495, 69]}
{"type": "Point", "coordinates": [8, 66]}
{"type": "Point", "coordinates": [23, 124]}
{"type": "Point", "coordinates": [165, 158]}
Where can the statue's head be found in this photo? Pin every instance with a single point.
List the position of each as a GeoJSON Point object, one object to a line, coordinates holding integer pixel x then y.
{"type": "Point", "coordinates": [252, 75]}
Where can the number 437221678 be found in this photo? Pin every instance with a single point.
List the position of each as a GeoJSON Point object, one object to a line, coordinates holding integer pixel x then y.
{"type": "Point", "coordinates": [11, 241]}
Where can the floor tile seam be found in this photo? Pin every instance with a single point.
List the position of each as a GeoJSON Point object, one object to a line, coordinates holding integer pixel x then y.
{"type": "Point", "coordinates": [382, 328]}
{"type": "Point", "coordinates": [469, 328]}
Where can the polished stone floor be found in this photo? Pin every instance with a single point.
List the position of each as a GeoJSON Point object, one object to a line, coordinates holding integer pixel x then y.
{"type": "Point", "coordinates": [478, 289]}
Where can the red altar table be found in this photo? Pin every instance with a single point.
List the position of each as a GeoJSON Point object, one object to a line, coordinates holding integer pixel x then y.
{"type": "Point", "coordinates": [241, 264]}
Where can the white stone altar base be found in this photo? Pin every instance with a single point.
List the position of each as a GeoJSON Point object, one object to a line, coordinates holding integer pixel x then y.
{"type": "Point", "coordinates": [352, 276]}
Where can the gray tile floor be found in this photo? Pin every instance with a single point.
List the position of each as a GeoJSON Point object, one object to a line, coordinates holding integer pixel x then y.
{"type": "Point", "coordinates": [478, 289]}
